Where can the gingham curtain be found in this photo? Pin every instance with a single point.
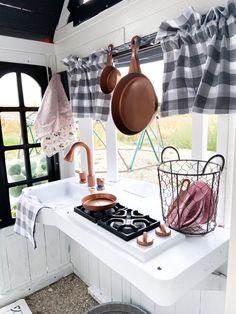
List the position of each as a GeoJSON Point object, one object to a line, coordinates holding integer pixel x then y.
{"type": "Point", "coordinates": [87, 99]}
{"type": "Point", "coordinates": [199, 62]}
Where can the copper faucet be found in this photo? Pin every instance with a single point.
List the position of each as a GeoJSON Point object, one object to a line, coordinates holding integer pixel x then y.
{"type": "Point", "coordinates": [70, 157]}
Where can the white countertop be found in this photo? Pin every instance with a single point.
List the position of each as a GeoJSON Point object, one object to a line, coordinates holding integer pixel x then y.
{"type": "Point", "coordinates": [165, 277]}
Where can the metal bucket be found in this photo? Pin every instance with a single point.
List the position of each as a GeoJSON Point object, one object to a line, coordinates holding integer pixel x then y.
{"type": "Point", "coordinates": [116, 308]}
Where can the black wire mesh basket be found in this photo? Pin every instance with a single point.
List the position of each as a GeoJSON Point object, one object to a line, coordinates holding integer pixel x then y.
{"type": "Point", "coordinates": [189, 192]}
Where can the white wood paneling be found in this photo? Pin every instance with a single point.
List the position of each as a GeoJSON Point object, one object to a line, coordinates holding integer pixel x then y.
{"type": "Point", "coordinates": [110, 286]}
{"type": "Point", "coordinates": [189, 304]}
{"type": "Point", "coordinates": [112, 157]}
{"type": "Point", "coordinates": [18, 262]}
{"type": "Point", "coordinates": [222, 148]}
{"type": "Point", "coordinates": [52, 240]}
{"type": "Point", "coordinates": [230, 307]}
{"type": "Point", "coordinates": [37, 258]}
{"type": "Point", "coordinates": [226, 127]}
{"type": "Point", "coordinates": [82, 50]}
{"type": "Point", "coordinates": [5, 283]}
{"type": "Point", "coordinates": [199, 136]}
{"type": "Point", "coordinates": [166, 310]}
{"type": "Point", "coordinates": [75, 257]}
{"type": "Point", "coordinates": [211, 302]}
{"type": "Point", "coordinates": [84, 264]}
{"type": "Point", "coordinates": [23, 269]}
{"type": "Point", "coordinates": [126, 290]}
{"type": "Point", "coordinates": [27, 51]}
{"type": "Point", "coordinates": [105, 280]}
{"type": "Point", "coordinates": [64, 248]}
{"type": "Point", "coordinates": [94, 279]}
{"type": "Point", "coordinates": [135, 296]}
{"type": "Point", "coordinates": [116, 287]}
{"type": "Point", "coordinates": [147, 304]}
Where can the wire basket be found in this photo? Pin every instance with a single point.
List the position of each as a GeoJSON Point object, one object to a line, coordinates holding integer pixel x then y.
{"type": "Point", "coordinates": [189, 192]}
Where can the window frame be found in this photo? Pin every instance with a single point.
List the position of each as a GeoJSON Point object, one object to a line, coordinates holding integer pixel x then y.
{"type": "Point", "coordinates": [39, 74]}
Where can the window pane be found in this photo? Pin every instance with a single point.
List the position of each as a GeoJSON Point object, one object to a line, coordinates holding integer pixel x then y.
{"type": "Point", "coordinates": [38, 163]}
{"type": "Point", "coordinates": [11, 128]}
{"type": "Point", "coordinates": [31, 91]}
{"type": "Point", "coordinates": [15, 165]}
{"type": "Point", "coordinates": [30, 118]}
{"type": "Point", "coordinates": [212, 133]}
{"type": "Point", "coordinates": [15, 193]}
{"type": "Point", "coordinates": [9, 91]}
{"type": "Point", "coordinates": [154, 71]}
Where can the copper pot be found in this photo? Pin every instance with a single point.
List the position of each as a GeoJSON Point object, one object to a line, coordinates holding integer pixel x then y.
{"type": "Point", "coordinates": [110, 75]}
{"type": "Point", "coordinates": [98, 201]}
{"type": "Point", "coordinates": [134, 102]}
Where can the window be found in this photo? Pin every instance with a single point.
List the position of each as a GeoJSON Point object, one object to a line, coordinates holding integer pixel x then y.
{"type": "Point", "coordinates": [141, 152]}
{"type": "Point", "coordinates": [22, 162]}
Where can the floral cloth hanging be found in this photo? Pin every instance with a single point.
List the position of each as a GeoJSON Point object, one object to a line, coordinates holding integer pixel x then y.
{"type": "Point", "coordinates": [87, 99]}
{"type": "Point", "coordinates": [199, 62]}
{"type": "Point", "coordinates": [54, 122]}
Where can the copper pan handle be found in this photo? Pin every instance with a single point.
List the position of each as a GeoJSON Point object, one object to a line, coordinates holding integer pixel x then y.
{"type": "Point", "coordinates": [134, 66]}
{"type": "Point", "coordinates": [109, 54]}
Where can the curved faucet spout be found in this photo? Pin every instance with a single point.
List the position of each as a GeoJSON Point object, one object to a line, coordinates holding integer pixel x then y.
{"type": "Point", "coordinates": [70, 157]}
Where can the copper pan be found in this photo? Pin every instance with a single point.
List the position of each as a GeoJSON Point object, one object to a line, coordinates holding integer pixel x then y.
{"type": "Point", "coordinates": [98, 201]}
{"type": "Point", "coordinates": [134, 102]}
{"type": "Point", "coordinates": [110, 75]}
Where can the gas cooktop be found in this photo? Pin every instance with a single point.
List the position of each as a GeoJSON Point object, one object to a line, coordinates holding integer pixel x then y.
{"type": "Point", "coordinates": [124, 222]}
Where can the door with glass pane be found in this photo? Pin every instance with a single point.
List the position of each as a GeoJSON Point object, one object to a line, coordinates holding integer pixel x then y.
{"type": "Point", "coordinates": [22, 162]}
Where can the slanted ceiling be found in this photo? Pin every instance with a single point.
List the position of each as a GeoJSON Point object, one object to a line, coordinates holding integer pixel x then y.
{"type": "Point", "coordinates": [30, 19]}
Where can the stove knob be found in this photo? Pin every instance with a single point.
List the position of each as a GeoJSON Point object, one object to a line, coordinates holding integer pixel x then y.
{"type": "Point", "coordinates": [145, 239]}
{"type": "Point", "coordinates": [163, 231]}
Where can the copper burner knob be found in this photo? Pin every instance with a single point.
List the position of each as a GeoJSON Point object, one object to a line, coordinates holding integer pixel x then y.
{"type": "Point", "coordinates": [145, 239]}
{"type": "Point", "coordinates": [163, 231]}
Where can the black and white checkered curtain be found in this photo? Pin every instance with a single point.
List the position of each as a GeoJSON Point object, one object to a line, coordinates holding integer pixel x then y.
{"type": "Point", "coordinates": [199, 62]}
{"type": "Point", "coordinates": [87, 99]}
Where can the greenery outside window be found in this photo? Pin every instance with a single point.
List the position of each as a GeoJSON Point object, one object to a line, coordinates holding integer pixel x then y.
{"type": "Point", "coordinates": [22, 162]}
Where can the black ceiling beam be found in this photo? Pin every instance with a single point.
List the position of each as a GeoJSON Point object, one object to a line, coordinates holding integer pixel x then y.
{"type": "Point", "coordinates": [30, 19]}
{"type": "Point", "coordinates": [82, 12]}
{"type": "Point", "coordinates": [50, 7]}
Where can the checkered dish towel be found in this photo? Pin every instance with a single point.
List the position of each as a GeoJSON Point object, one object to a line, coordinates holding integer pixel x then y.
{"type": "Point", "coordinates": [87, 99]}
{"type": "Point", "coordinates": [27, 210]}
{"type": "Point", "coordinates": [199, 62]}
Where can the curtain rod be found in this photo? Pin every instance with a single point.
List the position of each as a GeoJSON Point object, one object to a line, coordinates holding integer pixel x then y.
{"type": "Point", "coordinates": [146, 42]}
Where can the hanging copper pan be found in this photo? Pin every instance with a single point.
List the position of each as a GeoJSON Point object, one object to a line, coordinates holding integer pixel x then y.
{"type": "Point", "coordinates": [98, 201]}
{"type": "Point", "coordinates": [134, 102]}
{"type": "Point", "coordinates": [110, 75]}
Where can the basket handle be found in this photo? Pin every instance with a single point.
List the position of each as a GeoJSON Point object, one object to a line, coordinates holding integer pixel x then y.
{"type": "Point", "coordinates": [169, 147]}
{"type": "Point", "coordinates": [209, 160]}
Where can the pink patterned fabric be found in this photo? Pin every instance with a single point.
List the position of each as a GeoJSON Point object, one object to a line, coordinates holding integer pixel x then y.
{"type": "Point", "coordinates": [54, 122]}
{"type": "Point", "coordinates": [55, 111]}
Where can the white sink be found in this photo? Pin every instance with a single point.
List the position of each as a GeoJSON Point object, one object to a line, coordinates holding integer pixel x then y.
{"type": "Point", "coordinates": [60, 193]}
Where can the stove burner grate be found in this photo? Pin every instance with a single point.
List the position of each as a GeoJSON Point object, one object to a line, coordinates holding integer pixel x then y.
{"type": "Point", "coordinates": [124, 222]}
{"type": "Point", "coordinates": [128, 224]}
